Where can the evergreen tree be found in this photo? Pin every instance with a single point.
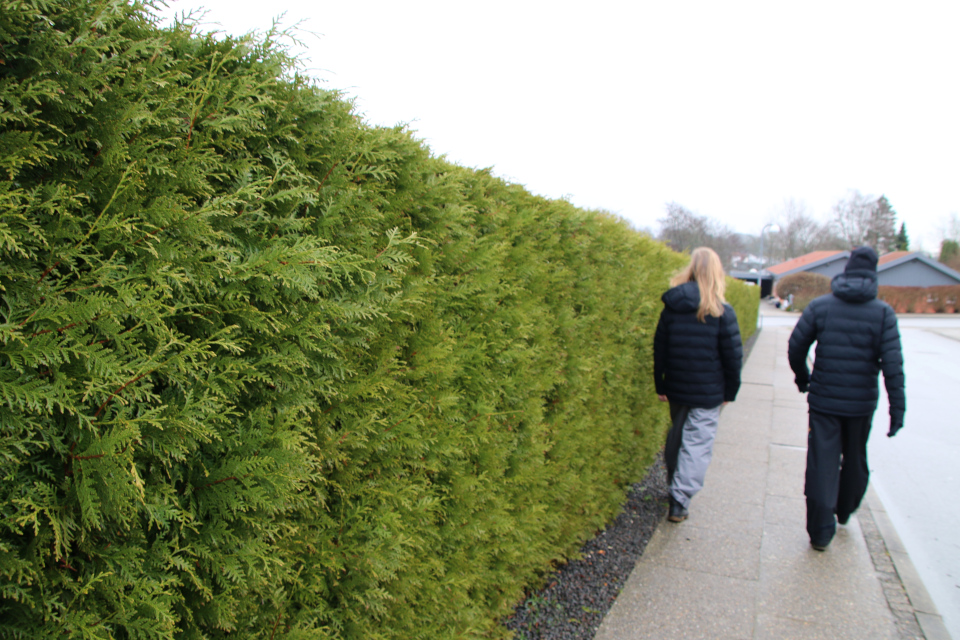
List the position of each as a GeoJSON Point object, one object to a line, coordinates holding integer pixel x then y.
{"type": "Point", "coordinates": [950, 254]}
{"type": "Point", "coordinates": [903, 241]}
{"type": "Point", "coordinates": [881, 233]}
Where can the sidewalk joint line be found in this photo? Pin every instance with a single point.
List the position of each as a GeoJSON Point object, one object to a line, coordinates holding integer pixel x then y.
{"type": "Point", "coordinates": [788, 446]}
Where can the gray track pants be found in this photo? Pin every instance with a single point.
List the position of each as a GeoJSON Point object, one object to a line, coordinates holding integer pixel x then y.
{"type": "Point", "coordinates": [689, 449]}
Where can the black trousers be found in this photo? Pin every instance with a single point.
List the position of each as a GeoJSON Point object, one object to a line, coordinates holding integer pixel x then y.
{"type": "Point", "coordinates": [837, 472]}
{"type": "Point", "coordinates": [678, 415]}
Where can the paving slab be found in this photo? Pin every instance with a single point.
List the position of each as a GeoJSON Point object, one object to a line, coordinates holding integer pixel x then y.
{"type": "Point", "coordinates": [666, 602]}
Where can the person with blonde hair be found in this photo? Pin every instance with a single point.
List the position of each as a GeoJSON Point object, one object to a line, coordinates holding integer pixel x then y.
{"type": "Point", "coordinates": [697, 355]}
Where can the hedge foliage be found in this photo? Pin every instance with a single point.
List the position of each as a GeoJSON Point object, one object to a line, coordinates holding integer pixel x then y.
{"type": "Point", "coordinates": [804, 287]}
{"type": "Point", "coordinates": [939, 299]}
{"type": "Point", "coordinates": [743, 298]}
{"type": "Point", "coordinates": [807, 286]}
{"type": "Point", "coordinates": [269, 372]}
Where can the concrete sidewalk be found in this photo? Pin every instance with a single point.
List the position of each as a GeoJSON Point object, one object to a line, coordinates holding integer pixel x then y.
{"type": "Point", "coordinates": [741, 566]}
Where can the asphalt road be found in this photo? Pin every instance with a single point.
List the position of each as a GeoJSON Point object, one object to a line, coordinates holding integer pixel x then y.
{"type": "Point", "coordinates": [917, 473]}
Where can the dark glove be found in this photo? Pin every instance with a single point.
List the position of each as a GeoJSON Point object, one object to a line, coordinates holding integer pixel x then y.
{"type": "Point", "coordinates": [895, 425]}
{"type": "Point", "coordinates": [803, 386]}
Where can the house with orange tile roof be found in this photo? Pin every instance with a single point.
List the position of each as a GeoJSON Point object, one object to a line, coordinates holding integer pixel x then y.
{"type": "Point", "coordinates": [827, 263]}
{"type": "Point", "coordinates": [894, 269]}
{"type": "Point", "coordinates": [913, 269]}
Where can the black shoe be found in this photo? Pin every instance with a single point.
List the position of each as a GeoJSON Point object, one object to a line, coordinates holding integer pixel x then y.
{"type": "Point", "coordinates": [843, 519]}
{"type": "Point", "coordinates": [819, 546]}
{"type": "Point", "coordinates": [677, 512]}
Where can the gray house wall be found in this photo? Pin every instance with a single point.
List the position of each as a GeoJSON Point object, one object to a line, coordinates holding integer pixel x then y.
{"type": "Point", "coordinates": [913, 274]}
{"type": "Point", "coordinates": [830, 269]}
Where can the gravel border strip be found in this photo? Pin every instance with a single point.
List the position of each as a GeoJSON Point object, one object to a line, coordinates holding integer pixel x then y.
{"type": "Point", "coordinates": [579, 594]}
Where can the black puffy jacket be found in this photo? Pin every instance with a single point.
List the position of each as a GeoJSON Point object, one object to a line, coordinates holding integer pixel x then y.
{"type": "Point", "coordinates": [696, 363]}
{"type": "Point", "coordinates": [856, 337]}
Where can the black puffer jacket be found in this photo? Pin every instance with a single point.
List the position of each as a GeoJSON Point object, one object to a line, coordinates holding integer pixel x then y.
{"type": "Point", "coordinates": [856, 337]}
{"type": "Point", "coordinates": [696, 363]}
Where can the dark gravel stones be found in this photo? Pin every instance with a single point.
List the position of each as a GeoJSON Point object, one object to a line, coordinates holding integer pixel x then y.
{"type": "Point", "coordinates": [578, 595]}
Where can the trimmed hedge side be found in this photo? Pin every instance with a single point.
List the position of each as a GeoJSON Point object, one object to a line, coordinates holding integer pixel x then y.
{"type": "Point", "coordinates": [744, 300]}
{"type": "Point", "coordinates": [940, 299]}
{"type": "Point", "coordinates": [804, 287]}
{"type": "Point", "coordinates": [268, 372]}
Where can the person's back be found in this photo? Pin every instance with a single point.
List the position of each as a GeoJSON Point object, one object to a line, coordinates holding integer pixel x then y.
{"type": "Point", "coordinates": [703, 369]}
{"type": "Point", "coordinates": [857, 337]}
{"type": "Point", "coordinates": [852, 328]}
{"type": "Point", "coordinates": [697, 355]}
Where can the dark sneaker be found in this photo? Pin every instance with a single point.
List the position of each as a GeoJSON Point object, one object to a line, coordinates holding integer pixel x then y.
{"type": "Point", "coordinates": [677, 512]}
{"type": "Point", "coordinates": [843, 518]}
{"type": "Point", "coordinates": [819, 546]}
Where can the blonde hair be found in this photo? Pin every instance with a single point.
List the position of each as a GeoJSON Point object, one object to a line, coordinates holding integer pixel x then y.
{"type": "Point", "coordinates": [706, 270]}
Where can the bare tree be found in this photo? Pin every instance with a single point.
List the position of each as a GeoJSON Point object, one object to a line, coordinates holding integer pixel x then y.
{"type": "Point", "coordinates": [851, 218]}
{"type": "Point", "coordinates": [726, 243]}
{"type": "Point", "coordinates": [865, 220]}
{"type": "Point", "coordinates": [684, 230]}
{"type": "Point", "coordinates": [799, 233]}
{"type": "Point", "coordinates": [950, 228]}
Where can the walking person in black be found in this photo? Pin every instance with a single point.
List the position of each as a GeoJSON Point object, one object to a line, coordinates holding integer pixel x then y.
{"type": "Point", "coordinates": [857, 337]}
{"type": "Point", "coordinates": [697, 355]}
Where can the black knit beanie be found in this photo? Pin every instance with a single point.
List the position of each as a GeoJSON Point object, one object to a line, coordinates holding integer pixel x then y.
{"type": "Point", "coordinates": [862, 259]}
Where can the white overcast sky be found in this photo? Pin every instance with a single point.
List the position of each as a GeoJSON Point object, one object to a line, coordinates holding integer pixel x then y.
{"type": "Point", "coordinates": [728, 108]}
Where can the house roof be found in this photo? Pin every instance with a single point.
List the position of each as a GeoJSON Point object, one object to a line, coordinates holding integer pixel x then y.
{"type": "Point", "coordinates": [885, 262]}
{"type": "Point", "coordinates": [896, 258]}
{"type": "Point", "coordinates": [890, 257]}
{"type": "Point", "coordinates": [806, 261]}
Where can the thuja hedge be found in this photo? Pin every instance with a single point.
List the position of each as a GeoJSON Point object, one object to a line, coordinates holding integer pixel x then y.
{"type": "Point", "coordinates": [269, 372]}
{"type": "Point", "coordinates": [743, 298]}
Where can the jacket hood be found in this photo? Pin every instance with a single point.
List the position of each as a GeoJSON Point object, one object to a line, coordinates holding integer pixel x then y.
{"type": "Point", "coordinates": [855, 286]}
{"type": "Point", "coordinates": [683, 298]}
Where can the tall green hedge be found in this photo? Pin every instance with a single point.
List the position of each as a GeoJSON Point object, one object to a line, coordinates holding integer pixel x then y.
{"type": "Point", "coordinates": [743, 298]}
{"type": "Point", "coordinates": [268, 372]}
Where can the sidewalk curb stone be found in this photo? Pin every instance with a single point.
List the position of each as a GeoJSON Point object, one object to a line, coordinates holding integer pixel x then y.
{"type": "Point", "coordinates": [911, 604]}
